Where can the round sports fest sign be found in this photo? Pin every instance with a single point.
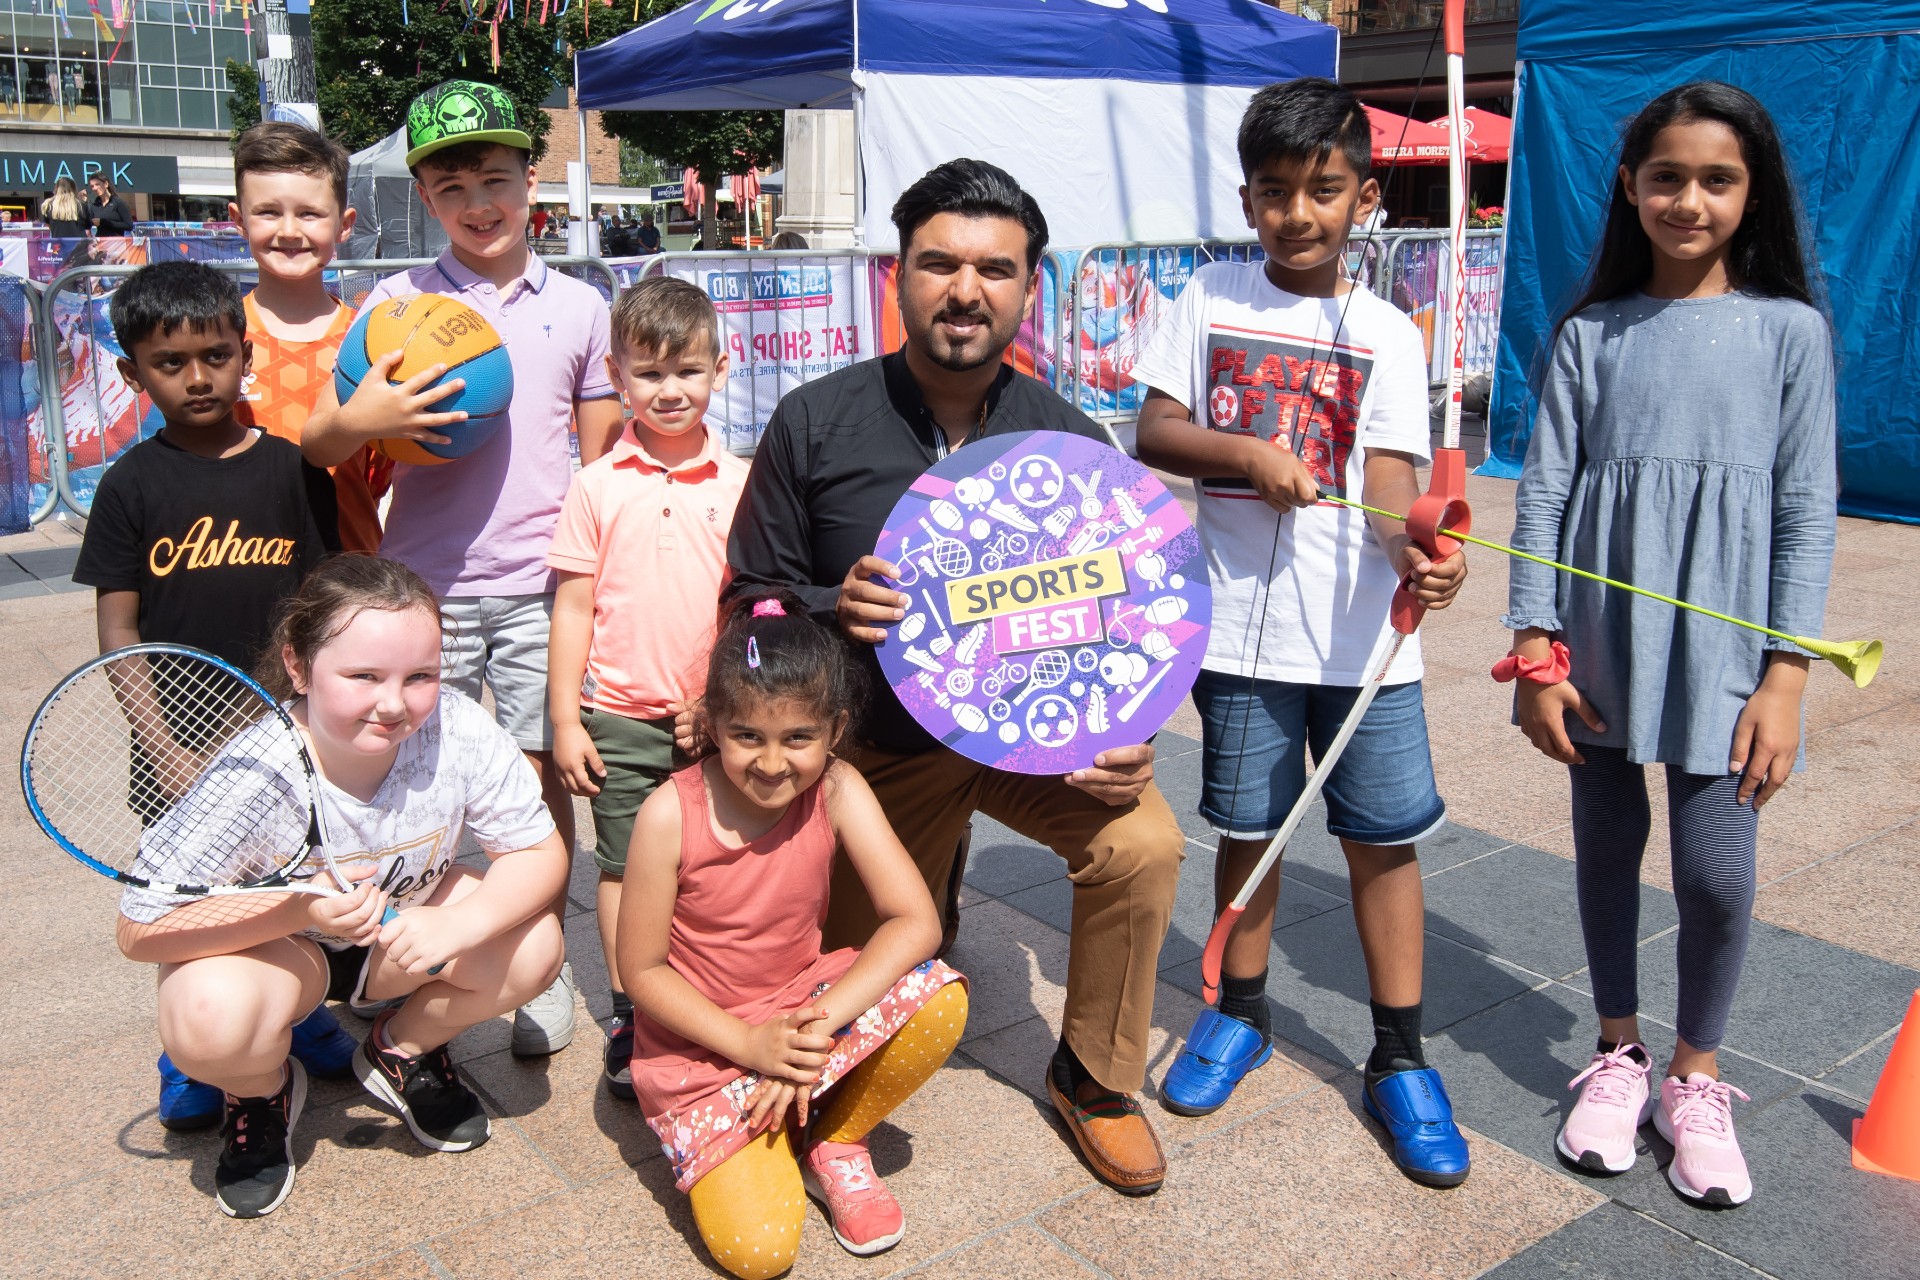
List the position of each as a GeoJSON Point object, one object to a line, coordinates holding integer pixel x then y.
{"type": "Point", "coordinates": [1057, 601]}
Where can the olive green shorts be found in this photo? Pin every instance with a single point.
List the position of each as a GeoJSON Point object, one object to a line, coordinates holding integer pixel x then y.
{"type": "Point", "coordinates": [639, 756]}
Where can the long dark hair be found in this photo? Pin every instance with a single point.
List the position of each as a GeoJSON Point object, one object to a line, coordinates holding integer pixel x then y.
{"type": "Point", "coordinates": [1765, 256]}
{"type": "Point", "coordinates": [768, 649]}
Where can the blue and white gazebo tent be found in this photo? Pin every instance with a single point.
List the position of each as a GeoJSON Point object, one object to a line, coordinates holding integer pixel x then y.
{"type": "Point", "coordinates": [1840, 79]}
{"type": "Point", "coordinates": [1118, 115]}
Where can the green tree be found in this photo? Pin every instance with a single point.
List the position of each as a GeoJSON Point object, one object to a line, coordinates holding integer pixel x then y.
{"type": "Point", "coordinates": [638, 170]}
{"type": "Point", "coordinates": [243, 96]}
{"type": "Point", "coordinates": [716, 143]}
{"type": "Point", "coordinates": [370, 64]}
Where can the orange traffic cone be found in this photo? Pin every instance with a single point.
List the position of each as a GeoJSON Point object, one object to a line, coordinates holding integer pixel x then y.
{"type": "Point", "coordinates": [1887, 1139]}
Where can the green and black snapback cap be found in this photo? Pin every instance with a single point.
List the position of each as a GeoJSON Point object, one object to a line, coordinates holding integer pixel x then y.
{"type": "Point", "coordinates": [456, 111]}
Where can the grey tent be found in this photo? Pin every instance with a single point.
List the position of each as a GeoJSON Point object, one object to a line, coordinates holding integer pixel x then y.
{"type": "Point", "coordinates": [392, 222]}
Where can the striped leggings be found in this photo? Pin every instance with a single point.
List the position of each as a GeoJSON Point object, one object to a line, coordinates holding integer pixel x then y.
{"type": "Point", "coordinates": [1714, 840]}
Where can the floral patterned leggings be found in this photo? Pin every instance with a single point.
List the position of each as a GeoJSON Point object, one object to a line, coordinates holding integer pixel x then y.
{"type": "Point", "coordinates": [750, 1209]}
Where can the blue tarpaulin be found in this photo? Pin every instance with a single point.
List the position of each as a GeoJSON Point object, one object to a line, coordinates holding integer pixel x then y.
{"type": "Point", "coordinates": [1841, 80]}
{"type": "Point", "coordinates": [726, 54]}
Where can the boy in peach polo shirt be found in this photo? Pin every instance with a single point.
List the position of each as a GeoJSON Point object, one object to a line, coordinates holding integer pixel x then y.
{"type": "Point", "coordinates": [640, 557]}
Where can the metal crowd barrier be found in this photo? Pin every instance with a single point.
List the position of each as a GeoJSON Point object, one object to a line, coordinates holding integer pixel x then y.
{"type": "Point", "coordinates": [1118, 294]}
{"type": "Point", "coordinates": [25, 463]}
{"type": "Point", "coordinates": [72, 328]}
{"type": "Point", "coordinates": [787, 317]}
{"type": "Point", "coordinates": [1415, 274]}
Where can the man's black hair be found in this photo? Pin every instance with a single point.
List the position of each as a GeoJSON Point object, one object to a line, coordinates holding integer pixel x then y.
{"type": "Point", "coordinates": [1304, 120]}
{"type": "Point", "coordinates": [977, 190]}
{"type": "Point", "coordinates": [167, 295]}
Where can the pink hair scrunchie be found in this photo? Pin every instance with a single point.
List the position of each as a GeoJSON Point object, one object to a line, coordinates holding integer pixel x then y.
{"type": "Point", "coordinates": [769, 608]}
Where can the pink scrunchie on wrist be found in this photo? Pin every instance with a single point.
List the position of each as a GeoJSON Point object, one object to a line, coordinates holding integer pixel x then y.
{"type": "Point", "coordinates": [1539, 670]}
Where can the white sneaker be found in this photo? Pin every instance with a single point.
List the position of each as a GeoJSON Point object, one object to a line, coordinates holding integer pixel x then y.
{"type": "Point", "coordinates": [544, 1024]}
{"type": "Point", "coordinates": [1598, 1134]}
{"type": "Point", "coordinates": [1696, 1116]}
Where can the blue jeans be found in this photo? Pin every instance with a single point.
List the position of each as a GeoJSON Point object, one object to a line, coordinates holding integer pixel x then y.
{"type": "Point", "coordinates": [1256, 734]}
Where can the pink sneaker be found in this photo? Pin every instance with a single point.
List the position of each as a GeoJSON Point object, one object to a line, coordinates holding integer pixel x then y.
{"type": "Point", "coordinates": [1696, 1116]}
{"type": "Point", "coordinates": [1598, 1135]}
{"type": "Point", "coordinates": [866, 1218]}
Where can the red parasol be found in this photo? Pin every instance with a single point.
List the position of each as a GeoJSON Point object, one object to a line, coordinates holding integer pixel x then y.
{"type": "Point", "coordinates": [692, 193]}
{"type": "Point", "coordinates": [1489, 136]}
{"type": "Point", "coordinates": [1403, 140]}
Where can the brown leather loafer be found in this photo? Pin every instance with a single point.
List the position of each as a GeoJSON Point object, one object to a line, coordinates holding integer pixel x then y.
{"type": "Point", "coordinates": [1114, 1135]}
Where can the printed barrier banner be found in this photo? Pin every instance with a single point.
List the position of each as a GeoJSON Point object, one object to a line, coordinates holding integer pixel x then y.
{"type": "Point", "coordinates": [22, 489]}
{"type": "Point", "coordinates": [102, 415]}
{"type": "Point", "coordinates": [1058, 601]}
{"type": "Point", "coordinates": [785, 321]}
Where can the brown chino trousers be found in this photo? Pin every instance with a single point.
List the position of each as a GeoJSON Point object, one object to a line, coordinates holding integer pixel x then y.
{"type": "Point", "coordinates": [1124, 862]}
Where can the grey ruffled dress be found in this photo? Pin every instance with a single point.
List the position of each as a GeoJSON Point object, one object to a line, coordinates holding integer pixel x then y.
{"type": "Point", "coordinates": [1685, 446]}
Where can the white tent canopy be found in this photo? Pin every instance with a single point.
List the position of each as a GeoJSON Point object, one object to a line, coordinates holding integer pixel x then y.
{"type": "Point", "coordinates": [1118, 115]}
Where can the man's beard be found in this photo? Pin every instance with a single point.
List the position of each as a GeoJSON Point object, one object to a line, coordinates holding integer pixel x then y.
{"type": "Point", "coordinates": [960, 359]}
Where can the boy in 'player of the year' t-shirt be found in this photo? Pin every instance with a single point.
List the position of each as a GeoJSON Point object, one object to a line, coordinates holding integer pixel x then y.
{"type": "Point", "coordinates": [1274, 383]}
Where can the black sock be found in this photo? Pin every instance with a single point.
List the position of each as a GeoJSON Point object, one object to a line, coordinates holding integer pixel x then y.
{"type": "Point", "coordinates": [1068, 1071]}
{"type": "Point", "coordinates": [1396, 1039]}
{"type": "Point", "coordinates": [1246, 999]}
{"type": "Point", "coordinates": [622, 1007]}
{"type": "Point", "coordinates": [1639, 1053]}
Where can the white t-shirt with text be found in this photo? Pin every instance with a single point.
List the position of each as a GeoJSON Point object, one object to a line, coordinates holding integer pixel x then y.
{"type": "Point", "coordinates": [1333, 377]}
{"type": "Point", "coordinates": [458, 771]}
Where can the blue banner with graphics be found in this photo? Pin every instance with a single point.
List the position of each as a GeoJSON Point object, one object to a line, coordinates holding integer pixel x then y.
{"type": "Point", "coordinates": [1827, 73]}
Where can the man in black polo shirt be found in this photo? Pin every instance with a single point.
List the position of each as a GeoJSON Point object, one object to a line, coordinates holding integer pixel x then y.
{"type": "Point", "coordinates": [838, 453]}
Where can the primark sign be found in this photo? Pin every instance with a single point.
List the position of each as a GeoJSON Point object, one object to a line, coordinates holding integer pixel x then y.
{"type": "Point", "coordinates": [39, 170]}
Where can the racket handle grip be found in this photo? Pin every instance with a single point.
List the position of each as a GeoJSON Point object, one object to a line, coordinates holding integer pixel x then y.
{"type": "Point", "coordinates": [1215, 953]}
{"type": "Point", "coordinates": [389, 919]}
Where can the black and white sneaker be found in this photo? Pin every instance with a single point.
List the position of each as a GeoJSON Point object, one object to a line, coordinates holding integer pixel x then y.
{"type": "Point", "coordinates": [442, 1112]}
{"type": "Point", "coordinates": [619, 1068]}
{"type": "Point", "coordinates": [255, 1172]}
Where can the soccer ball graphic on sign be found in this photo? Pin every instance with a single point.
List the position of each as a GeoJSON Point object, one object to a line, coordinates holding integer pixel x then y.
{"type": "Point", "coordinates": [1037, 481]}
{"type": "Point", "coordinates": [1224, 406]}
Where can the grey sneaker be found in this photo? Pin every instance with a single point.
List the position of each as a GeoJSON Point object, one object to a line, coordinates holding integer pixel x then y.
{"type": "Point", "coordinates": [544, 1024]}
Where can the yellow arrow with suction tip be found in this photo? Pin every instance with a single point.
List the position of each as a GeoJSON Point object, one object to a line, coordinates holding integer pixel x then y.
{"type": "Point", "coordinates": [1858, 659]}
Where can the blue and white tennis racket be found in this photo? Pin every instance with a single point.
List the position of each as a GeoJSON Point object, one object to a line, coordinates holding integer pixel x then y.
{"type": "Point", "coordinates": [169, 770]}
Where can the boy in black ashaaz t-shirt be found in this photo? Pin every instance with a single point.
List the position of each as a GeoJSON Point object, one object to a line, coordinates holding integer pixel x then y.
{"type": "Point", "coordinates": [197, 533]}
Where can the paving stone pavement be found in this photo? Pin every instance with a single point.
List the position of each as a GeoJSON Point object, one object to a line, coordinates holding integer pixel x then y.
{"type": "Point", "coordinates": [1289, 1179]}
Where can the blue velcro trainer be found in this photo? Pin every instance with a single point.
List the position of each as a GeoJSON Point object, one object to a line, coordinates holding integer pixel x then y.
{"type": "Point", "coordinates": [1219, 1051]}
{"type": "Point", "coordinates": [323, 1048]}
{"type": "Point", "coordinates": [1414, 1107]}
{"type": "Point", "coordinates": [186, 1104]}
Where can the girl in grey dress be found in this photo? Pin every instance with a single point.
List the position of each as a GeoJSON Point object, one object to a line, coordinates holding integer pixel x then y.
{"type": "Point", "coordinates": [1685, 443]}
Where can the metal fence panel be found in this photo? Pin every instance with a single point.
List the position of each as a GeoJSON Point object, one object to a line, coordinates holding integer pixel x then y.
{"type": "Point", "coordinates": [27, 491]}
{"type": "Point", "coordinates": [1417, 271]}
{"type": "Point", "coordinates": [787, 317]}
{"type": "Point", "coordinates": [1119, 294]}
{"type": "Point", "coordinates": [88, 416]}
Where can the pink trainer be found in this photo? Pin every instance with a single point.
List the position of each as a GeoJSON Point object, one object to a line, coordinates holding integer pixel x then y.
{"type": "Point", "coordinates": [866, 1218]}
{"type": "Point", "coordinates": [1696, 1116]}
{"type": "Point", "coordinates": [1598, 1134]}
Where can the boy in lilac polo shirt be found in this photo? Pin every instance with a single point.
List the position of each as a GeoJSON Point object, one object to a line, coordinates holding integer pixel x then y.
{"type": "Point", "coordinates": [477, 529]}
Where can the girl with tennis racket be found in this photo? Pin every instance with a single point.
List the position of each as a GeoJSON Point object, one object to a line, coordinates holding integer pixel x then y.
{"type": "Point", "coordinates": [1685, 440]}
{"type": "Point", "coordinates": [761, 1063]}
{"type": "Point", "coordinates": [404, 767]}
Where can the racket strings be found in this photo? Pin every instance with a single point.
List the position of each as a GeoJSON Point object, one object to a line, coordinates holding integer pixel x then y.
{"type": "Point", "coordinates": [171, 770]}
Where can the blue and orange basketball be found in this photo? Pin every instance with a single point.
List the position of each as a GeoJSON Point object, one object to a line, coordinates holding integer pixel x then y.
{"type": "Point", "coordinates": [430, 329]}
